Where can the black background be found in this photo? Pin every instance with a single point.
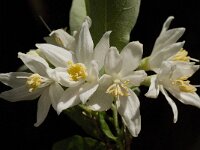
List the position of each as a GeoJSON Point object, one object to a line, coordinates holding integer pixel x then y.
{"type": "Point", "coordinates": [21, 29]}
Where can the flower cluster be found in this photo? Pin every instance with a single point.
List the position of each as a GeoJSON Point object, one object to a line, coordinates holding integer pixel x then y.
{"type": "Point", "coordinates": [68, 71]}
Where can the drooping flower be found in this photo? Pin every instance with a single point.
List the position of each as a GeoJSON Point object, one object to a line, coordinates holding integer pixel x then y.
{"type": "Point", "coordinates": [29, 86]}
{"type": "Point", "coordinates": [173, 77]}
{"type": "Point", "coordinates": [78, 70]}
{"type": "Point", "coordinates": [116, 85]}
{"type": "Point", "coordinates": [166, 46]}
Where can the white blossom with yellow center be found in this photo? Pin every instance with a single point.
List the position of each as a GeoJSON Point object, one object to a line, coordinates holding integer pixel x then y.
{"type": "Point", "coordinates": [116, 83]}
{"type": "Point", "coordinates": [173, 77]}
{"type": "Point", "coordinates": [27, 86]}
{"type": "Point", "coordinates": [77, 70]}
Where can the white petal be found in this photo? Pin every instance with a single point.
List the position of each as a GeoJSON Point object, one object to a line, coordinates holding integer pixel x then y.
{"type": "Point", "coordinates": [64, 39]}
{"type": "Point", "coordinates": [55, 93]}
{"type": "Point", "coordinates": [35, 63]}
{"type": "Point", "coordinates": [43, 107]}
{"type": "Point", "coordinates": [85, 45]}
{"type": "Point", "coordinates": [154, 88]}
{"type": "Point", "coordinates": [113, 62]}
{"type": "Point", "coordinates": [14, 79]}
{"type": "Point", "coordinates": [69, 99]}
{"type": "Point", "coordinates": [20, 93]}
{"type": "Point", "coordinates": [128, 108]}
{"type": "Point", "coordinates": [56, 55]}
{"type": "Point", "coordinates": [167, 37]}
{"type": "Point", "coordinates": [93, 72]}
{"type": "Point", "coordinates": [156, 60]}
{"type": "Point", "coordinates": [135, 78]}
{"type": "Point", "coordinates": [101, 49]}
{"type": "Point", "coordinates": [100, 100]}
{"type": "Point", "coordinates": [171, 103]}
{"type": "Point", "coordinates": [131, 56]}
{"type": "Point", "coordinates": [184, 69]}
{"type": "Point", "coordinates": [188, 98]}
{"type": "Point", "coordinates": [87, 90]}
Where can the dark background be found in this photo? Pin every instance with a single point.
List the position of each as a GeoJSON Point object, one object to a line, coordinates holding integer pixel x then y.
{"type": "Point", "coordinates": [21, 29]}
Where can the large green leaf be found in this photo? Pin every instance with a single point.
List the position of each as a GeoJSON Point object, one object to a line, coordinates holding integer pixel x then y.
{"type": "Point", "coordinates": [77, 142]}
{"type": "Point", "coordinates": [119, 16]}
{"type": "Point", "coordinates": [77, 14]}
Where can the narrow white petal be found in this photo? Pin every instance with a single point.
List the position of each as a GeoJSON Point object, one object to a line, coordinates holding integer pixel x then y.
{"type": "Point", "coordinates": [187, 98]}
{"type": "Point", "coordinates": [128, 108]}
{"type": "Point", "coordinates": [131, 57]}
{"type": "Point", "coordinates": [184, 69]}
{"type": "Point", "coordinates": [43, 107]}
{"type": "Point", "coordinates": [156, 60]}
{"type": "Point", "coordinates": [14, 79]}
{"type": "Point", "coordinates": [154, 88]}
{"type": "Point", "coordinates": [171, 103]}
{"type": "Point", "coordinates": [35, 63]}
{"type": "Point", "coordinates": [135, 78]}
{"type": "Point", "coordinates": [87, 90]}
{"type": "Point", "coordinates": [55, 55]}
{"type": "Point", "coordinates": [85, 45]}
{"type": "Point", "coordinates": [101, 49]}
{"type": "Point", "coordinates": [113, 62]}
{"type": "Point", "coordinates": [69, 99]}
{"type": "Point", "coordinates": [20, 93]}
{"type": "Point", "coordinates": [55, 93]}
{"type": "Point", "coordinates": [167, 37]}
{"type": "Point", "coordinates": [64, 39]}
{"type": "Point", "coordinates": [100, 100]}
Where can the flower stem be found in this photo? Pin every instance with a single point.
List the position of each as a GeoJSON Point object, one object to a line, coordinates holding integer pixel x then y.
{"type": "Point", "coordinates": [120, 140]}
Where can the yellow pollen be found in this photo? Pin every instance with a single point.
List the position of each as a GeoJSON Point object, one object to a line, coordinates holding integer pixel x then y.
{"type": "Point", "coordinates": [34, 81]}
{"type": "Point", "coordinates": [76, 71]}
{"type": "Point", "coordinates": [184, 84]}
{"type": "Point", "coordinates": [118, 88]}
{"type": "Point", "coordinates": [182, 55]}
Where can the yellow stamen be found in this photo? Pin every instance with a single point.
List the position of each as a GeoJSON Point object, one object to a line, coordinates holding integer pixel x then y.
{"type": "Point", "coordinates": [118, 88]}
{"type": "Point", "coordinates": [34, 81]}
{"type": "Point", "coordinates": [182, 55]}
{"type": "Point", "coordinates": [184, 84]}
{"type": "Point", "coordinates": [77, 71]}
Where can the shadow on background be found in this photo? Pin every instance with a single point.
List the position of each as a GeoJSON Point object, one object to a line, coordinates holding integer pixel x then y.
{"type": "Point", "coordinates": [22, 29]}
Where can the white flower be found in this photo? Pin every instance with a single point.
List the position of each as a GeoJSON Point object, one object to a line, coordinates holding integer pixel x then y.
{"type": "Point", "coordinates": [166, 45]}
{"type": "Point", "coordinates": [116, 85]}
{"type": "Point", "coordinates": [28, 86]}
{"type": "Point", "coordinates": [173, 77]}
{"type": "Point", "coordinates": [79, 70]}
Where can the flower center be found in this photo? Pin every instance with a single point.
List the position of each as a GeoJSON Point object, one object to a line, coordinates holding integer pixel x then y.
{"type": "Point", "coordinates": [118, 88]}
{"type": "Point", "coordinates": [77, 71]}
{"type": "Point", "coordinates": [184, 84]}
{"type": "Point", "coordinates": [182, 55]}
{"type": "Point", "coordinates": [34, 81]}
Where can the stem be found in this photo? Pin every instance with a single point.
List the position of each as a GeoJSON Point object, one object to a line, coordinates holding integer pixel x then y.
{"type": "Point", "coordinates": [115, 117]}
{"type": "Point", "coordinates": [120, 143]}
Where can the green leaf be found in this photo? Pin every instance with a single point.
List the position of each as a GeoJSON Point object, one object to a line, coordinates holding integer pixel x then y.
{"type": "Point", "coordinates": [119, 16]}
{"type": "Point", "coordinates": [105, 128]}
{"type": "Point", "coordinates": [88, 124]}
{"type": "Point", "coordinates": [77, 14]}
{"type": "Point", "coordinates": [77, 142]}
